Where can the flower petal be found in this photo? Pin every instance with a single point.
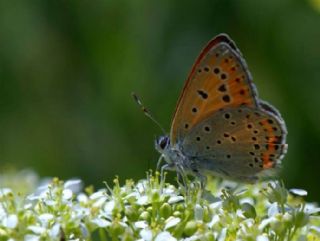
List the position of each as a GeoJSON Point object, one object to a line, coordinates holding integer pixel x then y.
{"type": "Point", "coordinates": [165, 236]}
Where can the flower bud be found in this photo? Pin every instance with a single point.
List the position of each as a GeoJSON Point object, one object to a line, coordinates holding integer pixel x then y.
{"type": "Point", "coordinates": [248, 210]}
{"type": "Point", "coordinates": [165, 210]}
{"type": "Point", "coordinates": [190, 228]}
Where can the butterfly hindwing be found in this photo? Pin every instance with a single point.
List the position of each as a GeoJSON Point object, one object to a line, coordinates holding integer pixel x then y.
{"type": "Point", "coordinates": [237, 142]}
{"type": "Point", "coordinates": [219, 79]}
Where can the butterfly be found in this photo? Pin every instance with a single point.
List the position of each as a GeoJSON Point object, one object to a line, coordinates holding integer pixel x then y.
{"type": "Point", "coordinates": [220, 127]}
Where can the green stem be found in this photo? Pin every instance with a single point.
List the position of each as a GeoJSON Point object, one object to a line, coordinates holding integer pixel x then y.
{"type": "Point", "coordinates": [102, 235]}
{"type": "Point", "coordinates": [293, 233]}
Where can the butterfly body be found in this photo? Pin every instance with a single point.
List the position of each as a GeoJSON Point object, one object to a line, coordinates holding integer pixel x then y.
{"type": "Point", "coordinates": [220, 126]}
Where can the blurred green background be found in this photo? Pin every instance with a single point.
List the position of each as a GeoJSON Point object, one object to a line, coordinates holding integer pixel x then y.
{"type": "Point", "coordinates": [67, 69]}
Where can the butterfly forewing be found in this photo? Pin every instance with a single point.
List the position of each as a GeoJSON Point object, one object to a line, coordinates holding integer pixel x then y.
{"type": "Point", "coordinates": [219, 79]}
{"type": "Point", "coordinates": [220, 126]}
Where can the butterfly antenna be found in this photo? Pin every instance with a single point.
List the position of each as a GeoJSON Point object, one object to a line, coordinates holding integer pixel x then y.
{"type": "Point", "coordinates": [146, 111]}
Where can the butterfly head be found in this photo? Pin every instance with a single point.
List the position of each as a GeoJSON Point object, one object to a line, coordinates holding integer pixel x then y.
{"type": "Point", "coordinates": [162, 144]}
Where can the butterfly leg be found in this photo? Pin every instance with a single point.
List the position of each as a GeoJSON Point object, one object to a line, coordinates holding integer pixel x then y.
{"type": "Point", "coordinates": [163, 169]}
{"type": "Point", "coordinates": [182, 178]}
{"type": "Point", "coordinates": [202, 180]}
{"type": "Point", "coordinates": [161, 158]}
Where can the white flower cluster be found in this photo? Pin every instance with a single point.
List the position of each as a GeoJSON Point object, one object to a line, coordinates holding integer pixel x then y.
{"type": "Point", "coordinates": [152, 210]}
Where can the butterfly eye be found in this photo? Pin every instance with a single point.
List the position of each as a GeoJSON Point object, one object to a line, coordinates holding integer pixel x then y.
{"type": "Point", "coordinates": [163, 142]}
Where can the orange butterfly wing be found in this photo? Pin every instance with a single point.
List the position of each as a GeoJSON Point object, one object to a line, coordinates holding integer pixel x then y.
{"type": "Point", "coordinates": [218, 79]}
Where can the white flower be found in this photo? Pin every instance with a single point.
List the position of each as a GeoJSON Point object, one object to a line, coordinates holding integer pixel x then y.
{"type": "Point", "coordinates": [67, 194]}
{"type": "Point", "coordinates": [165, 236]}
{"type": "Point", "coordinates": [141, 186]}
{"type": "Point", "coordinates": [108, 207]}
{"type": "Point", "coordinates": [74, 184]}
{"type": "Point", "coordinates": [37, 229]}
{"type": "Point", "coordinates": [249, 222]}
{"type": "Point", "coordinates": [132, 194]}
{"type": "Point", "coordinates": [4, 192]}
{"type": "Point", "coordinates": [198, 212]}
{"type": "Point", "coordinates": [50, 203]}
{"type": "Point", "coordinates": [81, 212]}
{"type": "Point", "coordinates": [33, 197]}
{"type": "Point", "coordinates": [53, 212]}
{"type": "Point", "coordinates": [298, 192]}
{"type": "Point", "coordinates": [215, 219]}
{"type": "Point", "coordinates": [262, 238]}
{"type": "Point", "coordinates": [3, 212]}
{"type": "Point", "coordinates": [223, 234]}
{"type": "Point", "coordinates": [143, 200]}
{"type": "Point", "coordinates": [171, 222]}
{"type": "Point", "coordinates": [31, 237]}
{"type": "Point", "coordinates": [100, 201]}
{"type": "Point", "coordinates": [273, 209]}
{"type": "Point", "coordinates": [175, 199]}
{"type": "Point", "coordinates": [141, 224]}
{"type": "Point", "coordinates": [146, 234]}
{"type": "Point", "coordinates": [315, 228]}
{"type": "Point", "coordinates": [311, 208]}
{"type": "Point", "coordinates": [82, 198]}
{"type": "Point", "coordinates": [194, 238]}
{"type": "Point", "coordinates": [229, 184]}
{"type": "Point", "coordinates": [101, 223]}
{"type": "Point", "coordinates": [287, 217]}
{"type": "Point", "coordinates": [27, 206]}
{"type": "Point", "coordinates": [239, 213]}
{"type": "Point", "coordinates": [84, 230]}
{"type": "Point", "coordinates": [98, 194]}
{"type": "Point", "coordinates": [215, 205]}
{"type": "Point", "coordinates": [10, 221]}
{"type": "Point", "coordinates": [40, 193]}
{"type": "Point", "coordinates": [169, 190]}
{"type": "Point", "coordinates": [247, 200]}
{"type": "Point", "coordinates": [266, 222]}
{"type": "Point", "coordinates": [54, 232]}
{"type": "Point", "coordinates": [45, 218]}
